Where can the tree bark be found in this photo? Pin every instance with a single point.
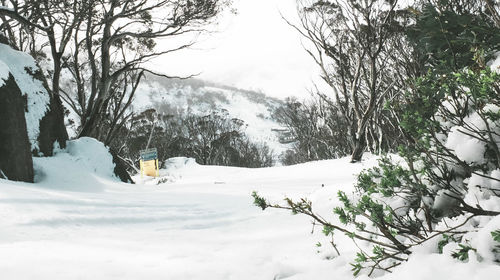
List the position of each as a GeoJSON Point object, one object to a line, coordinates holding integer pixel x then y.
{"type": "Point", "coordinates": [359, 146]}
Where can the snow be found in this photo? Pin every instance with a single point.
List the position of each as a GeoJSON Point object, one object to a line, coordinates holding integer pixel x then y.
{"type": "Point", "coordinates": [494, 64]}
{"type": "Point", "coordinates": [4, 73]}
{"type": "Point", "coordinates": [467, 148]}
{"type": "Point", "coordinates": [63, 171]}
{"type": "Point", "coordinates": [464, 139]}
{"type": "Point", "coordinates": [6, 8]}
{"type": "Point", "coordinates": [435, 266]}
{"type": "Point", "coordinates": [20, 64]}
{"type": "Point", "coordinates": [195, 222]}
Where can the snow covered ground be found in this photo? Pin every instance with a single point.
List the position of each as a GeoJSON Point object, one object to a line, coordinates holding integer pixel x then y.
{"type": "Point", "coordinates": [78, 222]}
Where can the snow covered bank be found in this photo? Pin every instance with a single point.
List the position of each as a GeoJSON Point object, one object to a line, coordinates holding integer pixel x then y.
{"type": "Point", "coordinates": [84, 166]}
{"type": "Point", "coordinates": [199, 224]}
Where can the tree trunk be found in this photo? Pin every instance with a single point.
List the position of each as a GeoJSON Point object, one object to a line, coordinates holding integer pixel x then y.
{"type": "Point", "coordinates": [358, 148]}
{"type": "Point", "coordinates": [89, 124]}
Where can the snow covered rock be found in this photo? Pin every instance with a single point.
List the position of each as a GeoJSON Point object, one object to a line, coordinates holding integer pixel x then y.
{"type": "Point", "coordinates": [52, 128]}
{"type": "Point", "coordinates": [15, 153]}
{"type": "Point", "coordinates": [44, 113]}
{"type": "Point", "coordinates": [120, 169]}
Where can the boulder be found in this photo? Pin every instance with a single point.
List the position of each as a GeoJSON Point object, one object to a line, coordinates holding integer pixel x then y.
{"type": "Point", "coordinates": [15, 149]}
{"type": "Point", "coordinates": [44, 112]}
{"type": "Point", "coordinates": [31, 117]}
{"type": "Point", "coordinates": [52, 128]}
{"type": "Point", "coordinates": [121, 168]}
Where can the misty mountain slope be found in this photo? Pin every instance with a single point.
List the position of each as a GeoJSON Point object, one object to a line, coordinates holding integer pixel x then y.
{"type": "Point", "coordinates": [193, 96]}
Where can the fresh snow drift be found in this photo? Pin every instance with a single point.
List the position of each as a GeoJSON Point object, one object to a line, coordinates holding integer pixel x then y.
{"type": "Point", "coordinates": [195, 222]}
{"type": "Point", "coordinates": [84, 166]}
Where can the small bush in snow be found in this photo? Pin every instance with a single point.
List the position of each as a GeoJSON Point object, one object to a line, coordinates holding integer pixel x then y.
{"type": "Point", "coordinates": [496, 250]}
{"type": "Point", "coordinates": [448, 185]}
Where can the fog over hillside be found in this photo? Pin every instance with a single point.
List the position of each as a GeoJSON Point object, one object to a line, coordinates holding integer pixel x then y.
{"type": "Point", "coordinates": [199, 97]}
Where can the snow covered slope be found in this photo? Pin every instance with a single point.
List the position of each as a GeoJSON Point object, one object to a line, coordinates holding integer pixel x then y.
{"type": "Point", "coordinates": [198, 223]}
{"type": "Point", "coordinates": [174, 96]}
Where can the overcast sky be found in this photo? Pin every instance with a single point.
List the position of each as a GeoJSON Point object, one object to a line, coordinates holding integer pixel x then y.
{"type": "Point", "coordinates": [254, 49]}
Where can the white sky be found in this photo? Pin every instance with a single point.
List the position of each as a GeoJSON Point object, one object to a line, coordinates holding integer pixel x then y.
{"type": "Point", "coordinates": [254, 49]}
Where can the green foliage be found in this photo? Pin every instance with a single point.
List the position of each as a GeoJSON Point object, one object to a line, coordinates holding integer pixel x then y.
{"type": "Point", "coordinates": [386, 179]}
{"type": "Point", "coordinates": [496, 235]}
{"type": "Point", "coordinates": [496, 250]}
{"type": "Point", "coordinates": [378, 253]}
{"type": "Point", "coordinates": [361, 257]}
{"type": "Point", "coordinates": [356, 268]}
{"type": "Point", "coordinates": [327, 230]}
{"type": "Point", "coordinates": [259, 201]}
{"type": "Point", "coordinates": [422, 106]}
{"type": "Point", "coordinates": [462, 253]}
{"type": "Point", "coordinates": [449, 98]}
{"type": "Point", "coordinates": [437, 103]}
{"type": "Point", "coordinates": [446, 239]}
{"type": "Point", "coordinates": [451, 39]}
{"type": "Point", "coordinates": [397, 205]}
{"type": "Point", "coordinates": [343, 217]}
{"type": "Point", "coordinates": [348, 214]}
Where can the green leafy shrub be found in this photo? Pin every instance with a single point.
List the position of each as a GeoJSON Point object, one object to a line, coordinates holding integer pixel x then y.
{"type": "Point", "coordinates": [463, 252]}
{"type": "Point", "coordinates": [450, 164]}
{"type": "Point", "coordinates": [399, 205]}
{"type": "Point", "coordinates": [496, 250]}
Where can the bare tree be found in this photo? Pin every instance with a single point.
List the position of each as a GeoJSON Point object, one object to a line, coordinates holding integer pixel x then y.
{"type": "Point", "coordinates": [51, 23]}
{"type": "Point", "coordinates": [104, 46]}
{"type": "Point", "coordinates": [316, 129]}
{"type": "Point", "coordinates": [211, 136]}
{"type": "Point", "coordinates": [348, 40]}
{"type": "Point", "coordinates": [120, 36]}
{"type": "Point", "coordinates": [18, 25]}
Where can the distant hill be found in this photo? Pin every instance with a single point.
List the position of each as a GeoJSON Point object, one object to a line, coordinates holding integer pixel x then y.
{"type": "Point", "coordinates": [195, 96]}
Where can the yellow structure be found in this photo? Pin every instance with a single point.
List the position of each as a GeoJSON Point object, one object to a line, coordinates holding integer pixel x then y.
{"type": "Point", "coordinates": [150, 168]}
{"type": "Point", "coordinates": [149, 163]}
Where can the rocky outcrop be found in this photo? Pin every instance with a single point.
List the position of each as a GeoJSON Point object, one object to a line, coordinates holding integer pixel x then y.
{"type": "Point", "coordinates": [15, 150]}
{"type": "Point", "coordinates": [51, 126]}
{"type": "Point", "coordinates": [44, 112]}
{"type": "Point", "coordinates": [121, 169]}
{"type": "Point", "coordinates": [31, 118]}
